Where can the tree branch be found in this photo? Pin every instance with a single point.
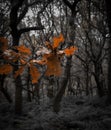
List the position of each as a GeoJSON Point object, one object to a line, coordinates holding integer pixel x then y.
{"type": "Point", "coordinates": [66, 2]}
{"type": "Point", "coordinates": [35, 2]}
{"type": "Point", "coordinates": [75, 4]}
{"type": "Point", "coordinates": [22, 15]}
{"type": "Point", "coordinates": [80, 58]}
{"type": "Point", "coordinates": [23, 30]}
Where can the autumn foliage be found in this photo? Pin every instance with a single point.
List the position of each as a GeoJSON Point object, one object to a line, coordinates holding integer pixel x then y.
{"type": "Point", "coordinates": [53, 65]}
{"type": "Point", "coordinates": [3, 44]}
{"type": "Point", "coordinates": [5, 69]}
{"type": "Point", "coordinates": [51, 58]}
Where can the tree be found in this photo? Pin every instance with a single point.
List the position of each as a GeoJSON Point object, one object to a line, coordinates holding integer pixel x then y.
{"type": "Point", "coordinates": [18, 11]}
{"type": "Point", "coordinates": [108, 13]}
{"type": "Point", "coordinates": [4, 22]}
{"type": "Point", "coordinates": [67, 70]}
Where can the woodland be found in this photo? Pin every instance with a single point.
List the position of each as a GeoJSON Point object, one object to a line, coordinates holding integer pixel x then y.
{"type": "Point", "coordinates": [55, 65]}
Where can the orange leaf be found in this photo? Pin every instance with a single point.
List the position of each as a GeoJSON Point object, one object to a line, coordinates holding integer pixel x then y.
{"type": "Point", "coordinates": [53, 66]}
{"type": "Point", "coordinates": [57, 41]}
{"type": "Point", "coordinates": [23, 62]}
{"type": "Point", "coordinates": [34, 73]}
{"type": "Point", "coordinates": [23, 49]}
{"type": "Point", "coordinates": [70, 51]}
{"type": "Point", "coordinates": [5, 69]}
{"type": "Point", "coordinates": [3, 44]}
{"type": "Point", "coordinates": [19, 71]}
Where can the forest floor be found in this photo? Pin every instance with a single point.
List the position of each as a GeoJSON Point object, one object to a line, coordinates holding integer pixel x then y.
{"type": "Point", "coordinates": [75, 114]}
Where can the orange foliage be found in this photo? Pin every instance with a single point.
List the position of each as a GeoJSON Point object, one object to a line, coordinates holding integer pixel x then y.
{"type": "Point", "coordinates": [53, 62]}
{"type": "Point", "coordinates": [57, 41]}
{"type": "Point", "coordinates": [53, 66]}
{"type": "Point", "coordinates": [34, 73]}
{"type": "Point", "coordinates": [23, 49]}
{"type": "Point", "coordinates": [50, 57]}
{"type": "Point", "coordinates": [5, 69]}
{"type": "Point", "coordinates": [23, 62]}
{"type": "Point", "coordinates": [70, 51]}
{"type": "Point", "coordinates": [3, 44]}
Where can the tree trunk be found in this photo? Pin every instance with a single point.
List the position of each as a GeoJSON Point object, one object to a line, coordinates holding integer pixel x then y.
{"type": "Point", "coordinates": [98, 80]}
{"type": "Point", "coordinates": [28, 88]}
{"type": "Point", "coordinates": [108, 12]}
{"type": "Point", "coordinates": [2, 89]}
{"type": "Point", "coordinates": [87, 80]}
{"type": "Point", "coordinates": [18, 96]}
{"type": "Point", "coordinates": [18, 83]}
{"type": "Point", "coordinates": [59, 95]}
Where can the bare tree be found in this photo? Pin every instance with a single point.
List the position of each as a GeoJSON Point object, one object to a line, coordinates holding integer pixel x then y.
{"type": "Point", "coordinates": [67, 70]}
{"type": "Point", "coordinates": [18, 11]}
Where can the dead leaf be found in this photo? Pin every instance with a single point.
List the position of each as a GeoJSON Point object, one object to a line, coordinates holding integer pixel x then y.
{"type": "Point", "coordinates": [53, 66]}
{"type": "Point", "coordinates": [23, 49]}
{"type": "Point", "coordinates": [57, 41]}
{"type": "Point", "coordinates": [34, 74]}
{"type": "Point", "coordinates": [3, 44]}
{"type": "Point", "coordinates": [6, 69]}
{"type": "Point", "coordinates": [70, 51]}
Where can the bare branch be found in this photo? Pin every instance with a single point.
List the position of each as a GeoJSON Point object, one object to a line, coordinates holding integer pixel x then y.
{"type": "Point", "coordinates": [71, 6]}
{"type": "Point", "coordinates": [66, 2]}
{"type": "Point", "coordinates": [23, 30]}
{"type": "Point", "coordinates": [22, 15]}
{"type": "Point", "coordinates": [35, 2]}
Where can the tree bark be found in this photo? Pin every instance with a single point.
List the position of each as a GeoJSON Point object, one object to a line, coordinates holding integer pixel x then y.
{"type": "Point", "coordinates": [108, 12]}
{"type": "Point", "coordinates": [97, 76]}
{"type": "Point", "coordinates": [18, 82]}
{"type": "Point", "coordinates": [59, 95]}
{"type": "Point", "coordinates": [2, 89]}
{"type": "Point", "coordinates": [28, 88]}
{"type": "Point", "coordinates": [18, 96]}
{"type": "Point", "coordinates": [15, 19]}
